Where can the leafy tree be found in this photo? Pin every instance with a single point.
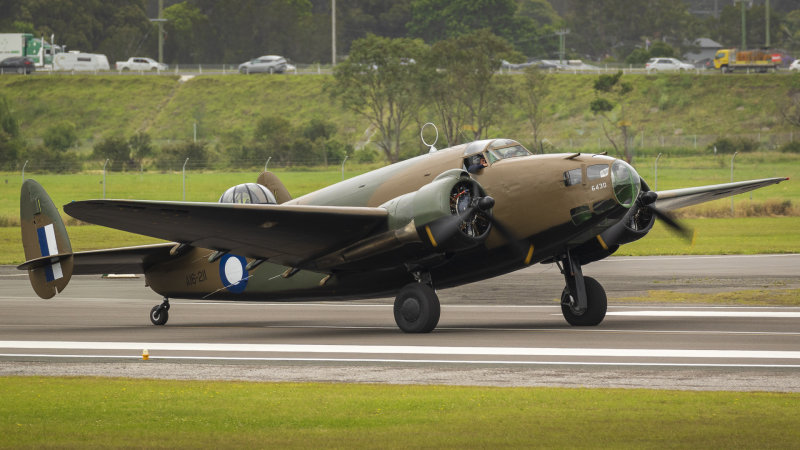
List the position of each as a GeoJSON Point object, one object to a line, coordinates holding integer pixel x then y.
{"type": "Point", "coordinates": [319, 133]}
{"type": "Point", "coordinates": [534, 88]}
{"type": "Point", "coordinates": [61, 137]}
{"type": "Point", "coordinates": [661, 49]}
{"type": "Point", "coordinates": [140, 146]}
{"type": "Point", "coordinates": [613, 118]}
{"type": "Point", "coordinates": [380, 81]}
{"type": "Point", "coordinates": [467, 93]}
{"type": "Point", "coordinates": [172, 157]}
{"type": "Point", "coordinates": [116, 149]}
{"type": "Point", "coordinates": [274, 136]}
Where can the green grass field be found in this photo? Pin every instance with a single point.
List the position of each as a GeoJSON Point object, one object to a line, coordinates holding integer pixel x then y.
{"type": "Point", "coordinates": [90, 412]}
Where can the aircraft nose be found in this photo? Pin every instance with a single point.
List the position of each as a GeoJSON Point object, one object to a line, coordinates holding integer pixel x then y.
{"type": "Point", "coordinates": [626, 183]}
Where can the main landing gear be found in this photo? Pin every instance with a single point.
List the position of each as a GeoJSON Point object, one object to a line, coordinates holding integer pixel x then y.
{"type": "Point", "coordinates": [160, 313]}
{"type": "Point", "coordinates": [416, 308]}
{"type": "Point", "coordinates": [583, 301]}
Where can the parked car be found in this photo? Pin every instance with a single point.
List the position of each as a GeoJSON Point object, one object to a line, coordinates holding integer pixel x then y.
{"type": "Point", "coordinates": [666, 65]}
{"type": "Point", "coordinates": [17, 64]}
{"type": "Point", "coordinates": [264, 64]}
{"type": "Point", "coordinates": [140, 64]}
{"type": "Point", "coordinates": [795, 66]}
{"type": "Point", "coordinates": [705, 63]}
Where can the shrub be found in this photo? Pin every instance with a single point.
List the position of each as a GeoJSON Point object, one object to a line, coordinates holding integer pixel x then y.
{"type": "Point", "coordinates": [791, 147]}
{"type": "Point", "coordinates": [732, 145]}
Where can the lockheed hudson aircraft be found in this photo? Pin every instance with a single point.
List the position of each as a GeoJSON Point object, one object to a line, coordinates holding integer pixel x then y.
{"type": "Point", "coordinates": [439, 220]}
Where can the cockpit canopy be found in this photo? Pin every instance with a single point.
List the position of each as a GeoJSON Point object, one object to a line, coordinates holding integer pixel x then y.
{"type": "Point", "coordinates": [248, 193]}
{"type": "Point", "coordinates": [495, 149]}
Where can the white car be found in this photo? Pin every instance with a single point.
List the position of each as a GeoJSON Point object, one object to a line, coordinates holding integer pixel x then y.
{"type": "Point", "coordinates": [795, 66]}
{"type": "Point", "coordinates": [666, 65]}
{"type": "Point", "coordinates": [140, 64]}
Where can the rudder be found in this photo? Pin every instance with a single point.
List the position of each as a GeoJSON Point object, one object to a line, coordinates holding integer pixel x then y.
{"type": "Point", "coordinates": [48, 252]}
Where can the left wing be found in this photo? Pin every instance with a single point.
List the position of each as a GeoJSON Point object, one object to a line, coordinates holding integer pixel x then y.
{"type": "Point", "coordinates": [285, 234]}
{"type": "Point", "coordinates": [679, 198]}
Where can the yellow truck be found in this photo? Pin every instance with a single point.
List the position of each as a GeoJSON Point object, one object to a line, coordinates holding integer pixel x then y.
{"type": "Point", "coordinates": [730, 60]}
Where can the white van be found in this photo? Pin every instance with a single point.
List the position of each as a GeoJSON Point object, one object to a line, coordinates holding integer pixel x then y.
{"type": "Point", "coordinates": [81, 62]}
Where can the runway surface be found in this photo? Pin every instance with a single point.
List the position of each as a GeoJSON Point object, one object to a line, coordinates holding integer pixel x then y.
{"type": "Point", "coordinates": [507, 331]}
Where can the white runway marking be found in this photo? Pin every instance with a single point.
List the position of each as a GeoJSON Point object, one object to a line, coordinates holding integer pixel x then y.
{"type": "Point", "coordinates": [668, 313]}
{"type": "Point", "coordinates": [405, 350]}
{"type": "Point", "coordinates": [403, 361]}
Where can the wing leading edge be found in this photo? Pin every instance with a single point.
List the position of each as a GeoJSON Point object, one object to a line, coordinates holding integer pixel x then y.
{"type": "Point", "coordinates": [679, 198]}
{"type": "Point", "coordinates": [285, 234]}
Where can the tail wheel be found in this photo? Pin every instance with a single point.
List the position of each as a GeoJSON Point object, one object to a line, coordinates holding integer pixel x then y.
{"type": "Point", "coordinates": [596, 306]}
{"type": "Point", "coordinates": [159, 315]}
{"type": "Point", "coordinates": [417, 309]}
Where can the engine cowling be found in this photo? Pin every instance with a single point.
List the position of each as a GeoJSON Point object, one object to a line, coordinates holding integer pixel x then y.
{"type": "Point", "coordinates": [436, 208]}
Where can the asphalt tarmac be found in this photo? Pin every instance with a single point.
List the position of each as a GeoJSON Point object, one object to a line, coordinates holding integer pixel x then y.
{"type": "Point", "coordinates": [507, 331]}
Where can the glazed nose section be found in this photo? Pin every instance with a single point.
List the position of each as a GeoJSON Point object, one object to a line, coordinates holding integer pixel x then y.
{"type": "Point", "coordinates": [626, 183]}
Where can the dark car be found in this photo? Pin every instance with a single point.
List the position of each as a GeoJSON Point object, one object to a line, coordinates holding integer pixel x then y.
{"type": "Point", "coordinates": [17, 64]}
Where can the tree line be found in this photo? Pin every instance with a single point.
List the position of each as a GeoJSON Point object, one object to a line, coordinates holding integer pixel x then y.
{"type": "Point", "coordinates": [233, 31]}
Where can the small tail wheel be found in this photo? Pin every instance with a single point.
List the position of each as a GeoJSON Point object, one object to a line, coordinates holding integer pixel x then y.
{"type": "Point", "coordinates": [160, 313]}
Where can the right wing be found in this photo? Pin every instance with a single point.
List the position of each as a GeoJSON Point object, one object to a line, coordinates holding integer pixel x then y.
{"type": "Point", "coordinates": [679, 198]}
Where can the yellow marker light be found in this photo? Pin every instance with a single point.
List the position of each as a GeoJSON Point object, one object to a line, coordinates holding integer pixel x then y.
{"type": "Point", "coordinates": [430, 236]}
{"type": "Point", "coordinates": [529, 256]}
{"type": "Point", "coordinates": [145, 354]}
{"type": "Point", "coordinates": [602, 242]}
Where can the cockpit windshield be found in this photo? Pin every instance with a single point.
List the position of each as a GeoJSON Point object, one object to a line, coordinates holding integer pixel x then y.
{"type": "Point", "coordinates": [497, 149]}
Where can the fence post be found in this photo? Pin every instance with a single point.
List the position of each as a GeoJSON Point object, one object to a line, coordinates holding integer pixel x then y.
{"type": "Point", "coordinates": [104, 179]}
{"type": "Point", "coordinates": [657, 157]}
{"type": "Point", "coordinates": [732, 158]}
{"type": "Point", "coordinates": [184, 178]}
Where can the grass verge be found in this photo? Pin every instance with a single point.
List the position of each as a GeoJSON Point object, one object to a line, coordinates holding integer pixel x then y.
{"type": "Point", "coordinates": [748, 297]}
{"type": "Point", "coordinates": [96, 412]}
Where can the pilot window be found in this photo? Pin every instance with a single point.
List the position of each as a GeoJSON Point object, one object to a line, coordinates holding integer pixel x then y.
{"type": "Point", "coordinates": [597, 171]}
{"type": "Point", "coordinates": [572, 177]}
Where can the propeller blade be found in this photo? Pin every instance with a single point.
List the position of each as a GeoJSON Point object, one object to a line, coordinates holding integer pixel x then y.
{"type": "Point", "coordinates": [668, 220]}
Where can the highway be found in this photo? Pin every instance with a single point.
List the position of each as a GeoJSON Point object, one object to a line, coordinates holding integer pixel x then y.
{"type": "Point", "coordinates": [507, 331]}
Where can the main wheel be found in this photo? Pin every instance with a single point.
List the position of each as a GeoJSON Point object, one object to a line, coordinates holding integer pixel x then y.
{"type": "Point", "coordinates": [416, 308]}
{"type": "Point", "coordinates": [596, 305]}
{"type": "Point", "coordinates": [159, 315]}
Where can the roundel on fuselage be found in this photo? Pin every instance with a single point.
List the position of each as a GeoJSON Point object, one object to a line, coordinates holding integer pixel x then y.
{"type": "Point", "coordinates": [233, 273]}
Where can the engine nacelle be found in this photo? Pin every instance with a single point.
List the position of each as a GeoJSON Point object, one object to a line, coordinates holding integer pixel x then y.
{"type": "Point", "coordinates": [436, 208]}
{"type": "Point", "coordinates": [635, 225]}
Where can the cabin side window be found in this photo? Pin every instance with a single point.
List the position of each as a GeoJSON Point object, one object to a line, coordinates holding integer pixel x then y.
{"type": "Point", "coordinates": [572, 177]}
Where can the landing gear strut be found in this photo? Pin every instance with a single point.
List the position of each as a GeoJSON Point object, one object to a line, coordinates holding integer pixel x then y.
{"type": "Point", "coordinates": [583, 301]}
{"type": "Point", "coordinates": [160, 313]}
{"type": "Point", "coordinates": [416, 308]}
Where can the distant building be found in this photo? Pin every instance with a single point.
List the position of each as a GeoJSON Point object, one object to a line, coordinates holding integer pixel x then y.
{"type": "Point", "coordinates": [705, 49]}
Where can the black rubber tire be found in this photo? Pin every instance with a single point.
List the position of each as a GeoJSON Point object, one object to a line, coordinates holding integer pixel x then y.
{"type": "Point", "coordinates": [159, 315]}
{"type": "Point", "coordinates": [417, 309]}
{"type": "Point", "coordinates": [596, 307]}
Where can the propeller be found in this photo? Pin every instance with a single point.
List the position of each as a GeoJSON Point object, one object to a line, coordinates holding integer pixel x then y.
{"type": "Point", "coordinates": [648, 198]}
{"type": "Point", "coordinates": [645, 204]}
{"type": "Point", "coordinates": [445, 229]}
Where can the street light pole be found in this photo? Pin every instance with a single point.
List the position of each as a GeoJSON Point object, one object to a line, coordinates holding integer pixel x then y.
{"type": "Point", "coordinates": [104, 179]}
{"type": "Point", "coordinates": [333, 32]}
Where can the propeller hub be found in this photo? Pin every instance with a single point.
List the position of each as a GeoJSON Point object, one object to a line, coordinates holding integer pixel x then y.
{"type": "Point", "coordinates": [648, 198]}
{"type": "Point", "coordinates": [485, 203]}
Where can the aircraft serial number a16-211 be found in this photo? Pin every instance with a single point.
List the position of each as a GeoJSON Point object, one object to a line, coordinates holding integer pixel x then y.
{"type": "Point", "coordinates": [439, 220]}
